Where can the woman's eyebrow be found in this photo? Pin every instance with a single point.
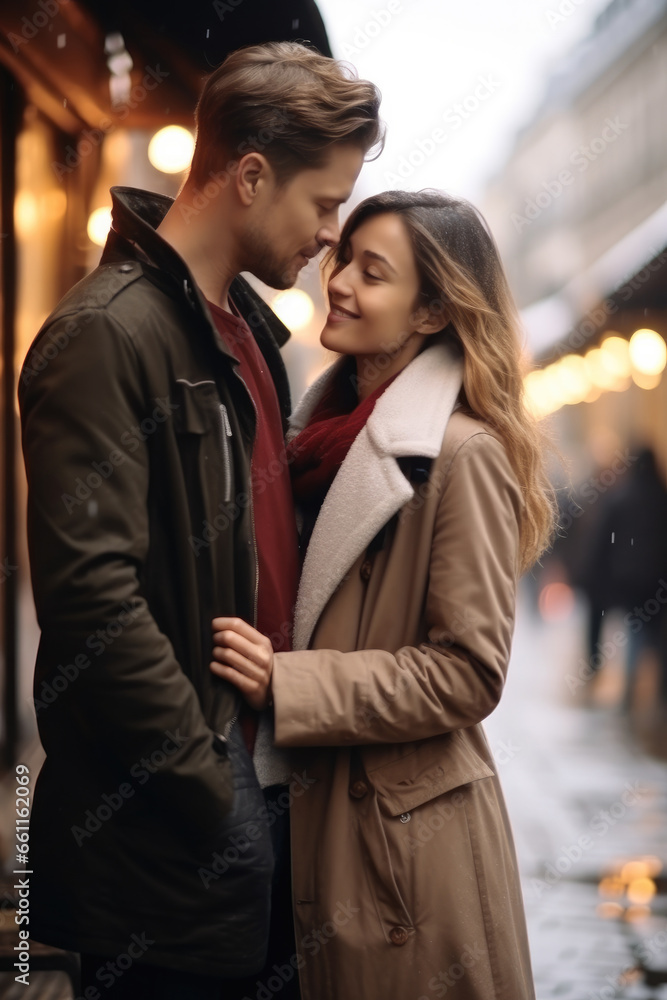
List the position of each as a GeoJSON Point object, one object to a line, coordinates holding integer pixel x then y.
{"type": "Point", "coordinates": [378, 256]}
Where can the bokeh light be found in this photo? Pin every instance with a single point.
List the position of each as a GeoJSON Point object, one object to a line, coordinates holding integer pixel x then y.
{"type": "Point", "coordinates": [294, 308]}
{"type": "Point", "coordinates": [616, 355]}
{"type": "Point", "coordinates": [641, 890]}
{"type": "Point", "coordinates": [26, 213]}
{"type": "Point", "coordinates": [648, 352]}
{"type": "Point", "coordinates": [170, 150]}
{"type": "Point", "coordinates": [556, 602]}
{"type": "Point", "coordinates": [98, 226]}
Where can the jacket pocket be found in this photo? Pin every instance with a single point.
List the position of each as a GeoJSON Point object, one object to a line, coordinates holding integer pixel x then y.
{"type": "Point", "coordinates": [434, 767]}
{"type": "Point", "coordinates": [205, 441]}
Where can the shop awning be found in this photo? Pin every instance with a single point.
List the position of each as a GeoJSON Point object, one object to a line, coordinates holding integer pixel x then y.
{"type": "Point", "coordinates": [628, 281]}
{"type": "Point", "coordinates": [71, 56]}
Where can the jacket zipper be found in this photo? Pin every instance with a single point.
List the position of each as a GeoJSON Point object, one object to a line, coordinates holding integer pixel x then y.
{"type": "Point", "coordinates": [229, 725]}
{"type": "Point", "coordinates": [226, 434]}
{"type": "Point", "coordinates": [251, 504]}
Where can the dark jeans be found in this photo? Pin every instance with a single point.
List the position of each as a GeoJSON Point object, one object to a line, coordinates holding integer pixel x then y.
{"type": "Point", "coordinates": [278, 978]}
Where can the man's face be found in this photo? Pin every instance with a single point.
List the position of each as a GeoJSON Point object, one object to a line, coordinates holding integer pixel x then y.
{"type": "Point", "coordinates": [292, 223]}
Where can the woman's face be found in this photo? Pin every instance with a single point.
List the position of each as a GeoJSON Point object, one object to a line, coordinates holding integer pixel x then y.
{"type": "Point", "coordinates": [373, 292]}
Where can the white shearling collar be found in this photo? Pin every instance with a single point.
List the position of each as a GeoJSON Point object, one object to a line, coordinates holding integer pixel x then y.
{"type": "Point", "coordinates": [409, 418]}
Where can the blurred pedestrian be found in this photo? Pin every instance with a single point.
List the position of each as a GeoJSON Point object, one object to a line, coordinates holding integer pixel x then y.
{"type": "Point", "coordinates": [626, 564]}
{"type": "Point", "coordinates": [152, 403]}
{"type": "Point", "coordinates": [579, 522]}
{"type": "Point", "coordinates": [421, 481]}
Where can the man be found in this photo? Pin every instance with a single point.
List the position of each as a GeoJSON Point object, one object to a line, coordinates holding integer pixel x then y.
{"type": "Point", "coordinates": [152, 404]}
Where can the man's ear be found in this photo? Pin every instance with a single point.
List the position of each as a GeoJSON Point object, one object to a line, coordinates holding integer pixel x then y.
{"type": "Point", "coordinates": [252, 174]}
{"type": "Point", "coordinates": [430, 319]}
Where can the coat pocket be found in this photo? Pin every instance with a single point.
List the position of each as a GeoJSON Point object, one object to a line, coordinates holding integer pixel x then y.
{"type": "Point", "coordinates": [389, 892]}
{"type": "Point", "coordinates": [421, 777]}
{"type": "Point", "coordinates": [434, 767]}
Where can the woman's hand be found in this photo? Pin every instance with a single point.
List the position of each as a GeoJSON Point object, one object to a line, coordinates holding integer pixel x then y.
{"type": "Point", "coordinates": [243, 656]}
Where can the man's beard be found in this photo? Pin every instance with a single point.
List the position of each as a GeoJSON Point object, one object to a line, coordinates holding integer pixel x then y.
{"type": "Point", "coordinates": [274, 271]}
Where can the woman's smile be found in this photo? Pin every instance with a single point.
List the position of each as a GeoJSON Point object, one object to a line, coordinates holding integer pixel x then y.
{"type": "Point", "coordinates": [340, 315]}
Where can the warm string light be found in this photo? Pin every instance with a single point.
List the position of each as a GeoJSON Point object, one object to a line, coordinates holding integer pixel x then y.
{"type": "Point", "coordinates": [608, 368]}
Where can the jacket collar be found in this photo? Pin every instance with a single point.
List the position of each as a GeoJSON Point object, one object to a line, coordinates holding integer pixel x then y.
{"type": "Point", "coordinates": [136, 214]}
{"type": "Point", "coordinates": [409, 418]}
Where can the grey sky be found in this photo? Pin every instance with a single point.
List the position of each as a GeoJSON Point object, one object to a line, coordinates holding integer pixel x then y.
{"type": "Point", "coordinates": [458, 79]}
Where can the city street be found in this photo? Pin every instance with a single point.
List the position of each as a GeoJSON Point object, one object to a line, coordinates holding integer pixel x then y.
{"type": "Point", "coordinates": [584, 800]}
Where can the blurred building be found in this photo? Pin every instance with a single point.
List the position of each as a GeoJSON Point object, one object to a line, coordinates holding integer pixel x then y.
{"type": "Point", "coordinates": [580, 215]}
{"type": "Point", "coordinates": [85, 85]}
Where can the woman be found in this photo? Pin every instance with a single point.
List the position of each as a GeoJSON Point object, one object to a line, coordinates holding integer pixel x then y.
{"type": "Point", "coordinates": [424, 495]}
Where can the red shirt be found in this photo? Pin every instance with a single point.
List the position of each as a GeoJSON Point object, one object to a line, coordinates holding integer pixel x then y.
{"type": "Point", "coordinates": [272, 502]}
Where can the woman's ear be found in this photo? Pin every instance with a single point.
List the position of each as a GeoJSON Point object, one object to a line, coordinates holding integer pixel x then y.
{"type": "Point", "coordinates": [252, 174]}
{"type": "Point", "coordinates": [430, 319]}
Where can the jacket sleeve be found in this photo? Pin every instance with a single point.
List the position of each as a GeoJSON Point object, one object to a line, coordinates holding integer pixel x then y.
{"type": "Point", "coordinates": [455, 679]}
{"type": "Point", "coordinates": [119, 689]}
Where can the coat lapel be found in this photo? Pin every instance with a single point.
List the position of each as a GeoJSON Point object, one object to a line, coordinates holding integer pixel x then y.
{"type": "Point", "coordinates": [408, 419]}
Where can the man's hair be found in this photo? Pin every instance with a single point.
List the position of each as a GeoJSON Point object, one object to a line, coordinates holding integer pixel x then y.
{"type": "Point", "coordinates": [287, 102]}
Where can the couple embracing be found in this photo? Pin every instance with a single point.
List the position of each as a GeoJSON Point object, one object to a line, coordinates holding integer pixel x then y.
{"type": "Point", "coordinates": [322, 816]}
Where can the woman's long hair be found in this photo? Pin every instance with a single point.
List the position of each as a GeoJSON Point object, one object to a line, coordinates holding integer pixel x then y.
{"type": "Point", "coordinates": [462, 278]}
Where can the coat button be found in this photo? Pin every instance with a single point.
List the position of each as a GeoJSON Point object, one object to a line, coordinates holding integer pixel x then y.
{"type": "Point", "coordinates": [125, 268]}
{"type": "Point", "coordinates": [358, 789]}
{"type": "Point", "coordinates": [405, 818]}
{"type": "Point", "coordinates": [365, 571]}
{"type": "Point", "coordinates": [398, 935]}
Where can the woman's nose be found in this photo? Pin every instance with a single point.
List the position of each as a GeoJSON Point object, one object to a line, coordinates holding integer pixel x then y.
{"type": "Point", "coordinates": [339, 282]}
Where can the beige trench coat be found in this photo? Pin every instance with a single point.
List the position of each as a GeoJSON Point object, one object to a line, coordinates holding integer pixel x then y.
{"type": "Point", "coordinates": [404, 873]}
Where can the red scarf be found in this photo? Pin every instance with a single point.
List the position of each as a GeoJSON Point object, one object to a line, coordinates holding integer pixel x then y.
{"type": "Point", "coordinates": [317, 453]}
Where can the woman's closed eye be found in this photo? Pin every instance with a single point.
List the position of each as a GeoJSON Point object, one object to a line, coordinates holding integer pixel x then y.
{"type": "Point", "coordinates": [373, 277]}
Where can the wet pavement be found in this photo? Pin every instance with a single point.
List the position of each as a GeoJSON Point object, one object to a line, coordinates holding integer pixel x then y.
{"type": "Point", "coordinates": [586, 804]}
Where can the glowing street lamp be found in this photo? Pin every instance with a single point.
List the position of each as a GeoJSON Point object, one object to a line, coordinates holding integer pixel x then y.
{"type": "Point", "coordinates": [170, 150]}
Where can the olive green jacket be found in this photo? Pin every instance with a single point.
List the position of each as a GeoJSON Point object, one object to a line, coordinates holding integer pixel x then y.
{"type": "Point", "coordinates": [137, 436]}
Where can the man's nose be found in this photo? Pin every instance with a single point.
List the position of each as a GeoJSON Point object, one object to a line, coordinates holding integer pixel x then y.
{"type": "Point", "coordinates": [329, 233]}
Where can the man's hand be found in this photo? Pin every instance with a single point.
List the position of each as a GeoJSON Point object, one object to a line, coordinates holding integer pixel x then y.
{"type": "Point", "coordinates": [243, 656]}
